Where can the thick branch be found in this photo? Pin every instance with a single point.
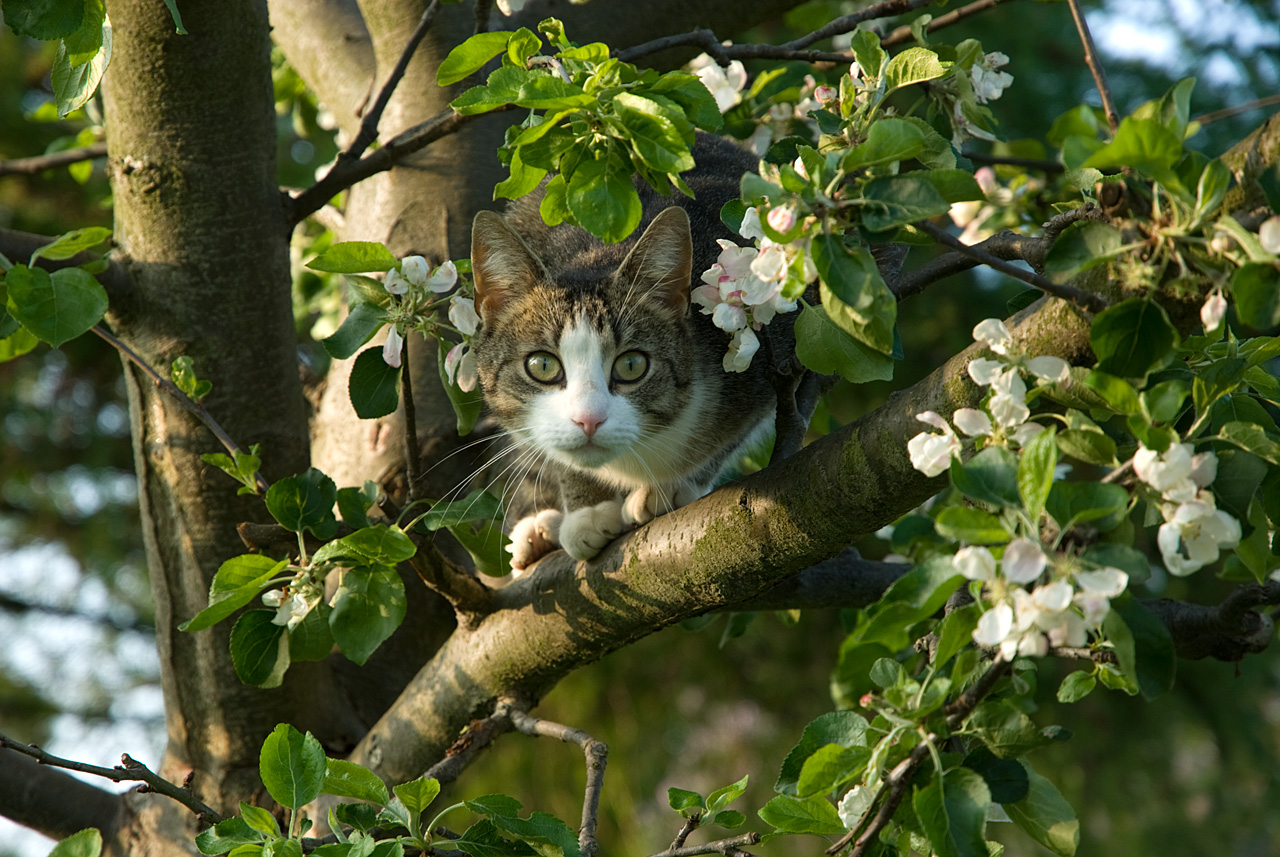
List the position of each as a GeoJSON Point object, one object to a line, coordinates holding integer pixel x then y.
{"type": "Point", "coordinates": [1226, 631]}
{"type": "Point", "coordinates": [731, 847]}
{"type": "Point", "coordinates": [52, 802]}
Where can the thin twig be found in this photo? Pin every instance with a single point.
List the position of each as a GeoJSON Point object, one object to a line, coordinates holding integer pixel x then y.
{"type": "Point", "coordinates": [1227, 112]}
{"type": "Point", "coordinates": [182, 398]}
{"type": "Point", "coordinates": [724, 54]}
{"type": "Point", "coordinates": [1079, 297]}
{"type": "Point", "coordinates": [731, 847]}
{"type": "Point", "coordinates": [1004, 245]}
{"type": "Point", "coordinates": [369, 124]}
{"type": "Point", "coordinates": [884, 9]}
{"type": "Point", "coordinates": [478, 735]}
{"type": "Point", "coordinates": [690, 825]}
{"type": "Point", "coordinates": [596, 753]}
{"type": "Point", "coordinates": [1095, 65]}
{"type": "Point", "coordinates": [129, 770]}
{"type": "Point", "coordinates": [413, 455]}
{"type": "Point", "coordinates": [40, 163]}
{"type": "Point", "coordinates": [902, 34]}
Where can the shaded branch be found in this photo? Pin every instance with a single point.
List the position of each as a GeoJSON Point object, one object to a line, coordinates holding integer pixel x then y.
{"type": "Point", "coordinates": [1227, 112]}
{"type": "Point", "coordinates": [40, 163]}
{"type": "Point", "coordinates": [54, 802]}
{"type": "Point", "coordinates": [478, 735]}
{"type": "Point", "coordinates": [724, 54]}
{"type": "Point", "coordinates": [1095, 65]}
{"type": "Point", "coordinates": [844, 580]}
{"type": "Point", "coordinates": [731, 847]}
{"type": "Point", "coordinates": [471, 600]}
{"type": "Point", "coordinates": [18, 245]}
{"type": "Point", "coordinates": [369, 123]}
{"type": "Point", "coordinates": [129, 770]}
{"type": "Point", "coordinates": [1226, 631]}
{"type": "Point", "coordinates": [903, 34]}
{"type": "Point", "coordinates": [15, 605]}
{"type": "Point", "coordinates": [884, 9]}
{"type": "Point", "coordinates": [596, 753]}
{"type": "Point", "coordinates": [1082, 299]}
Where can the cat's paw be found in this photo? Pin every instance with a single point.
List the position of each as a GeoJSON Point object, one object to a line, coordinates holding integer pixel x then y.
{"type": "Point", "coordinates": [644, 504]}
{"type": "Point", "coordinates": [584, 532]}
{"type": "Point", "coordinates": [534, 537]}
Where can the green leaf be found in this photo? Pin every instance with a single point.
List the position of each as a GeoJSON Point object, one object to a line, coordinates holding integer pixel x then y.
{"type": "Point", "coordinates": [1163, 402]}
{"type": "Point", "coordinates": [55, 307]}
{"type": "Point", "coordinates": [523, 179]}
{"type": "Point", "coordinates": [955, 631]}
{"type": "Point", "coordinates": [1256, 287]}
{"type": "Point", "coordinates": [1005, 730]}
{"type": "Point", "coordinates": [867, 51]}
{"type": "Point", "coordinates": [347, 779]}
{"type": "Point", "coordinates": [362, 322]}
{"type": "Point", "coordinates": [971, 525]}
{"type": "Point", "coordinates": [953, 812]}
{"type": "Point", "coordinates": [1035, 471]}
{"type": "Point", "coordinates": [260, 820]}
{"type": "Point", "coordinates": [1046, 816]}
{"type": "Point", "coordinates": [85, 843]}
{"type": "Point", "coordinates": [183, 375]}
{"type": "Point", "coordinates": [916, 595]}
{"type": "Point", "coordinates": [539, 828]}
{"type": "Point", "coordinates": [353, 503]}
{"type": "Point", "coordinates": [1072, 503]}
{"type": "Point", "coordinates": [653, 134]}
{"type": "Point", "coordinates": [311, 639]}
{"type": "Point", "coordinates": [259, 649]}
{"type": "Point", "coordinates": [725, 795]}
{"type": "Point", "coordinates": [829, 768]}
{"type": "Point", "coordinates": [1079, 121]}
{"type": "Point", "coordinates": [1215, 180]}
{"type": "Point", "coordinates": [1116, 392]}
{"type": "Point", "coordinates": [417, 795]}
{"type": "Point", "coordinates": [368, 607]}
{"type": "Point", "coordinates": [466, 405]}
{"type": "Point", "coordinates": [844, 728]}
{"type": "Point", "coordinates": [381, 544]}
{"type": "Point", "coordinates": [292, 766]}
{"type": "Point", "coordinates": [692, 95]}
{"type": "Point", "coordinates": [603, 200]}
{"type": "Point", "coordinates": [1076, 686]}
{"type": "Point", "coordinates": [471, 55]}
{"type": "Point", "coordinates": [1143, 645]}
{"type": "Point", "coordinates": [304, 502]}
{"type": "Point", "coordinates": [1172, 110]}
{"type": "Point", "coordinates": [991, 476]}
{"type": "Point", "coordinates": [1081, 246]}
{"type": "Point", "coordinates": [827, 349]}
{"type": "Point", "coordinates": [914, 65]}
{"type": "Point", "coordinates": [479, 505]}
{"type": "Point", "coordinates": [75, 79]}
{"type": "Point", "coordinates": [894, 201]}
{"type": "Point", "coordinates": [239, 580]}
{"type": "Point", "coordinates": [854, 295]}
{"type": "Point", "coordinates": [1091, 447]}
{"type": "Point", "coordinates": [1005, 778]}
{"type": "Point", "coordinates": [954, 185]}
{"type": "Point", "coordinates": [43, 19]}
{"type": "Point", "coordinates": [728, 818]}
{"type": "Point", "coordinates": [1144, 144]}
{"type": "Point", "coordinates": [1251, 438]}
{"type": "Point", "coordinates": [1128, 559]}
{"type": "Point", "coordinates": [69, 244]}
{"type": "Point", "coordinates": [172, 5]}
{"type": "Point", "coordinates": [1132, 338]}
{"type": "Point", "coordinates": [226, 835]}
{"type": "Point", "coordinates": [887, 141]}
{"type": "Point", "coordinates": [685, 802]}
{"type": "Point", "coordinates": [374, 386]}
{"type": "Point", "coordinates": [812, 815]}
{"type": "Point", "coordinates": [354, 257]}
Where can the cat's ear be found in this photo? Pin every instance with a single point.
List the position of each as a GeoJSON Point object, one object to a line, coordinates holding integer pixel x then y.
{"type": "Point", "coordinates": [663, 259]}
{"type": "Point", "coordinates": [501, 263]}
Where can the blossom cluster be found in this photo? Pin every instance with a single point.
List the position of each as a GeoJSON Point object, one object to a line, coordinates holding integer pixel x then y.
{"type": "Point", "coordinates": [1195, 530]}
{"type": "Point", "coordinates": [1006, 415]}
{"type": "Point", "coordinates": [420, 290]}
{"type": "Point", "coordinates": [744, 289]}
{"type": "Point", "coordinates": [295, 601]}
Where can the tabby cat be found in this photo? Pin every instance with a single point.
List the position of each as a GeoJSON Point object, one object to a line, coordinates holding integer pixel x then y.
{"type": "Point", "coordinates": [592, 357]}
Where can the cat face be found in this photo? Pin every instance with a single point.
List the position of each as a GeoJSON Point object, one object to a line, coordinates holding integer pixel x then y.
{"type": "Point", "coordinates": [592, 366]}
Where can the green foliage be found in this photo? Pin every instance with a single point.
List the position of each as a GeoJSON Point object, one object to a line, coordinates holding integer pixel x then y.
{"type": "Point", "coordinates": [239, 580]}
{"type": "Point", "coordinates": [292, 767]}
{"type": "Point", "coordinates": [85, 843]}
{"type": "Point", "coordinates": [240, 466]}
{"type": "Point", "coordinates": [183, 375]}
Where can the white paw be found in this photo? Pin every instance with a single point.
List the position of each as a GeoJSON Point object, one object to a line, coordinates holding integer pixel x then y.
{"type": "Point", "coordinates": [644, 504]}
{"type": "Point", "coordinates": [534, 537]}
{"type": "Point", "coordinates": [586, 531]}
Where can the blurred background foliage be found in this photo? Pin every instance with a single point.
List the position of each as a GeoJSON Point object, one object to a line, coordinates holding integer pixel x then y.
{"type": "Point", "coordinates": [1196, 772]}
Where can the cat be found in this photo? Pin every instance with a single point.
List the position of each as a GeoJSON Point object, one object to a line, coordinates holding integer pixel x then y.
{"type": "Point", "coordinates": [591, 356]}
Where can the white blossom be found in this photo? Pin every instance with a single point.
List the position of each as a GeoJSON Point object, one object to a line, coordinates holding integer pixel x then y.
{"type": "Point", "coordinates": [972, 422]}
{"type": "Point", "coordinates": [391, 349]}
{"type": "Point", "coordinates": [976, 563]}
{"type": "Point", "coordinates": [854, 805]}
{"type": "Point", "coordinates": [462, 315]}
{"type": "Point", "coordinates": [460, 367]}
{"type": "Point", "coordinates": [414, 269]}
{"type": "Point", "coordinates": [1269, 234]}
{"type": "Point", "coordinates": [1023, 434]}
{"type": "Point", "coordinates": [1053, 369]}
{"type": "Point", "coordinates": [1193, 535]}
{"type": "Point", "coordinates": [396, 283]}
{"type": "Point", "coordinates": [994, 626]}
{"type": "Point", "coordinates": [742, 348]}
{"type": "Point", "coordinates": [725, 84]}
{"type": "Point", "coordinates": [1023, 561]}
{"type": "Point", "coordinates": [988, 82]}
{"type": "Point", "coordinates": [1213, 310]}
{"type": "Point", "coordinates": [1108, 582]}
{"type": "Point", "coordinates": [931, 453]}
{"type": "Point", "coordinates": [443, 278]}
{"type": "Point", "coordinates": [1009, 403]}
{"type": "Point", "coordinates": [1174, 473]}
{"type": "Point", "coordinates": [984, 370]}
{"type": "Point", "coordinates": [750, 228]}
{"type": "Point", "coordinates": [510, 7]}
{"type": "Point", "coordinates": [995, 335]}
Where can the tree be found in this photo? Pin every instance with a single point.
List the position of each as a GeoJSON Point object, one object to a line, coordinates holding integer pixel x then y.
{"type": "Point", "coordinates": [202, 235]}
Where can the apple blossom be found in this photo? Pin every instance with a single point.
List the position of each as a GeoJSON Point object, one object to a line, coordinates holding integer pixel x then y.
{"type": "Point", "coordinates": [750, 228]}
{"type": "Point", "coordinates": [989, 83]}
{"type": "Point", "coordinates": [1023, 434]}
{"type": "Point", "coordinates": [972, 422]}
{"type": "Point", "coordinates": [728, 317]}
{"type": "Point", "coordinates": [1175, 473]}
{"type": "Point", "coordinates": [396, 283]}
{"type": "Point", "coordinates": [1009, 404]}
{"type": "Point", "coordinates": [854, 805]}
{"type": "Point", "coordinates": [510, 7]}
{"type": "Point", "coordinates": [1193, 535]}
{"type": "Point", "coordinates": [931, 453]}
{"type": "Point", "coordinates": [976, 563]}
{"type": "Point", "coordinates": [994, 626]}
{"type": "Point", "coordinates": [782, 219]}
{"type": "Point", "coordinates": [1053, 369]}
{"type": "Point", "coordinates": [742, 348]}
{"type": "Point", "coordinates": [460, 367]}
{"type": "Point", "coordinates": [1023, 561]}
{"type": "Point", "coordinates": [994, 335]}
{"type": "Point", "coordinates": [392, 347]}
{"type": "Point", "coordinates": [462, 314]}
{"type": "Point", "coordinates": [1269, 235]}
{"type": "Point", "coordinates": [443, 278]}
{"type": "Point", "coordinates": [724, 84]}
{"type": "Point", "coordinates": [414, 269]}
{"type": "Point", "coordinates": [1212, 312]}
{"type": "Point", "coordinates": [984, 370]}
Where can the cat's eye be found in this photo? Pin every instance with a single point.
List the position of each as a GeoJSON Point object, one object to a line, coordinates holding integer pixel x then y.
{"type": "Point", "coordinates": [630, 366]}
{"type": "Point", "coordinates": [543, 367]}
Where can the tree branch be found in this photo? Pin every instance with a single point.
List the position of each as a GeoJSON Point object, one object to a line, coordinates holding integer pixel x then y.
{"type": "Point", "coordinates": [724, 54]}
{"type": "Point", "coordinates": [731, 847]}
{"type": "Point", "coordinates": [1226, 631]}
{"type": "Point", "coordinates": [1083, 299]}
{"type": "Point", "coordinates": [903, 34]}
{"type": "Point", "coordinates": [596, 753]}
{"type": "Point", "coordinates": [1095, 65]}
{"type": "Point", "coordinates": [53, 802]}
{"type": "Point", "coordinates": [478, 735]}
{"type": "Point", "coordinates": [129, 770]}
{"type": "Point", "coordinates": [20, 245]}
{"type": "Point", "coordinates": [883, 9]}
{"type": "Point", "coordinates": [40, 163]}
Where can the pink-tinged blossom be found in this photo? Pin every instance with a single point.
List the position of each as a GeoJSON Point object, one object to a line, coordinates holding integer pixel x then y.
{"type": "Point", "coordinates": [771, 264]}
{"type": "Point", "coordinates": [443, 279]}
{"type": "Point", "coordinates": [826, 94]}
{"type": "Point", "coordinates": [742, 348]}
{"type": "Point", "coordinates": [1023, 561]}
{"type": "Point", "coordinates": [728, 317]}
{"type": "Point", "coordinates": [782, 219]}
{"type": "Point", "coordinates": [462, 315]}
{"type": "Point", "coordinates": [460, 367]}
{"type": "Point", "coordinates": [392, 347]}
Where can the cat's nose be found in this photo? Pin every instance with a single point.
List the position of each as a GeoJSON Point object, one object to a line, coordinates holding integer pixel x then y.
{"type": "Point", "coordinates": [588, 423]}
